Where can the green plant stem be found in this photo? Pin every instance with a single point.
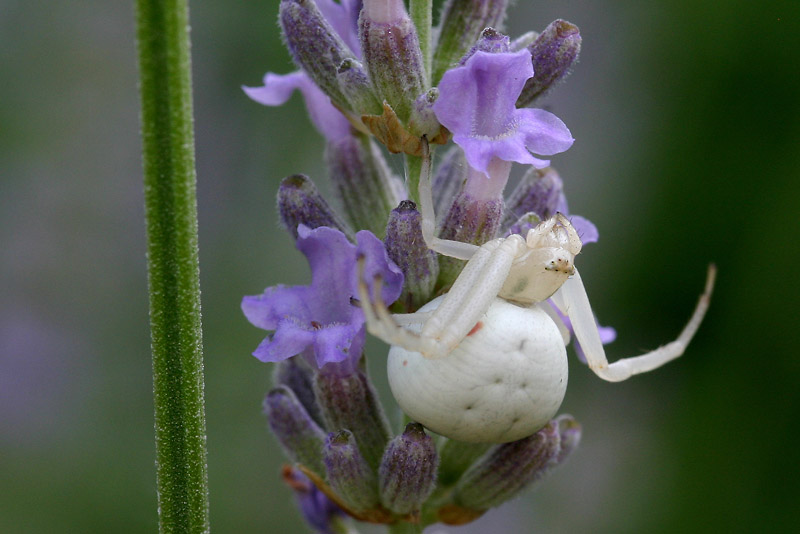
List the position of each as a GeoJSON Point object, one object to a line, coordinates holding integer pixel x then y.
{"type": "Point", "coordinates": [420, 12]}
{"type": "Point", "coordinates": [413, 168]}
{"type": "Point", "coordinates": [173, 272]}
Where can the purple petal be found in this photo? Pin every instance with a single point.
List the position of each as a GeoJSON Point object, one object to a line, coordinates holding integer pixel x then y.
{"type": "Point", "coordinates": [477, 104]}
{"type": "Point", "coordinates": [289, 340]}
{"type": "Point", "coordinates": [277, 89]}
{"type": "Point", "coordinates": [321, 316]}
{"type": "Point", "coordinates": [338, 342]}
{"type": "Point", "coordinates": [479, 152]}
{"type": "Point", "coordinates": [333, 266]}
{"type": "Point", "coordinates": [544, 133]}
{"type": "Point", "coordinates": [607, 334]}
{"type": "Point", "coordinates": [275, 304]}
{"type": "Point", "coordinates": [478, 98]}
{"type": "Point", "coordinates": [377, 263]}
{"type": "Point", "coordinates": [499, 79]}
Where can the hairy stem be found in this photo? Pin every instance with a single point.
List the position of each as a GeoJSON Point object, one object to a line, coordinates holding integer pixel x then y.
{"type": "Point", "coordinates": [173, 271]}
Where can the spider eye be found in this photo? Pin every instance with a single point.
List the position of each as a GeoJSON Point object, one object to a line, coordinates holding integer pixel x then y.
{"type": "Point", "coordinates": [561, 264]}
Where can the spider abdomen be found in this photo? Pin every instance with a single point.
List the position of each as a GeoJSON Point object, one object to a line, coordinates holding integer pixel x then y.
{"type": "Point", "coordinates": [503, 382]}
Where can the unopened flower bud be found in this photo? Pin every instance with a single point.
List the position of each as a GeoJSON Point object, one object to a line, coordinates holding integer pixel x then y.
{"type": "Point", "coordinates": [540, 191]}
{"type": "Point", "coordinates": [406, 247]}
{"type": "Point", "coordinates": [391, 51]}
{"type": "Point", "coordinates": [407, 473]}
{"type": "Point", "coordinates": [297, 375]}
{"type": "Point", "coordinates": [315, 45]}
{"type": "Point", "coordinates": [552, 54]}
{"type": "Point", "coordinates": [350, 402]}
{"type": "Point", "coordinates": [348, 473]}
{"type": "Point", "coordinates": [299, 202]}
{"type": "Point", "coordinates": [462, 24]}
{"type": "Point", "coordinates": [302, 439]}
{"type": "Point", "coordinates": [355, 86]}
{"type": "Point", "coordinates": [366, 187]}
{"type": "Point", "coordinates": [507, 469]}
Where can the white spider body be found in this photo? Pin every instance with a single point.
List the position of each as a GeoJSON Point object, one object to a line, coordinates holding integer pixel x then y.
{"type": "Point", "coordinates": [503, 382]}
{"type": "Point", "coordinates": [458, 346]}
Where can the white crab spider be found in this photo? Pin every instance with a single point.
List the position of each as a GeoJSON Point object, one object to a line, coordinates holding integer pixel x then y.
{"type": "Point", "coordinates": [486, 362]}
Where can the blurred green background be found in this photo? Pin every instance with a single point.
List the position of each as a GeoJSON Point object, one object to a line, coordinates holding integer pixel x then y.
{"type": "Point", "coordinates": [687, 120]}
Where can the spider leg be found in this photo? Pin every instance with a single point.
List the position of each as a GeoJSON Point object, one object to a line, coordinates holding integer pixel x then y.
{"type": "Point", "coordinates": [460, 309]}
{"type": "Point", "coordinates": [381, 324]}
{"type": "Point", "coordinates": [571, 298]}
{"type": "Point", "coordinates": [447, 247]}
{"type": "Point", "coordinates": [408, 319]}
{"type": "Point", "coordinates": [473, 291]}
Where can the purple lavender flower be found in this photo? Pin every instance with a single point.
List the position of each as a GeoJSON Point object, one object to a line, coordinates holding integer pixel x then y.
{"type": "Point", "coordinates": [320, 320]}
{"type": "Point", "coordinates": [277, 89]}
{"type": "Point", "coordinates": [477, 104]}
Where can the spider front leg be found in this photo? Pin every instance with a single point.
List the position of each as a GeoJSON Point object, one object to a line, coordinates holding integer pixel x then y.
{"type": "Point", "coordinates": [572, 300]}
{"type": "Point", "coordinates": [446, 247]}
{"type": "Point", "coordinates": [461, 308]}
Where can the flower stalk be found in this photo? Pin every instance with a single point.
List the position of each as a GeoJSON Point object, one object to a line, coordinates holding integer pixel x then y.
{"type": "Point", "coordinates": [173, 268]}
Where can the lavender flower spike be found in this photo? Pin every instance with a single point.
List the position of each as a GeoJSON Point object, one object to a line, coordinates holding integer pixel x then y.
{"type": "Point", "coordinates": [321, 316]}
{"type": "Point", "coordinates": [477, 104]}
